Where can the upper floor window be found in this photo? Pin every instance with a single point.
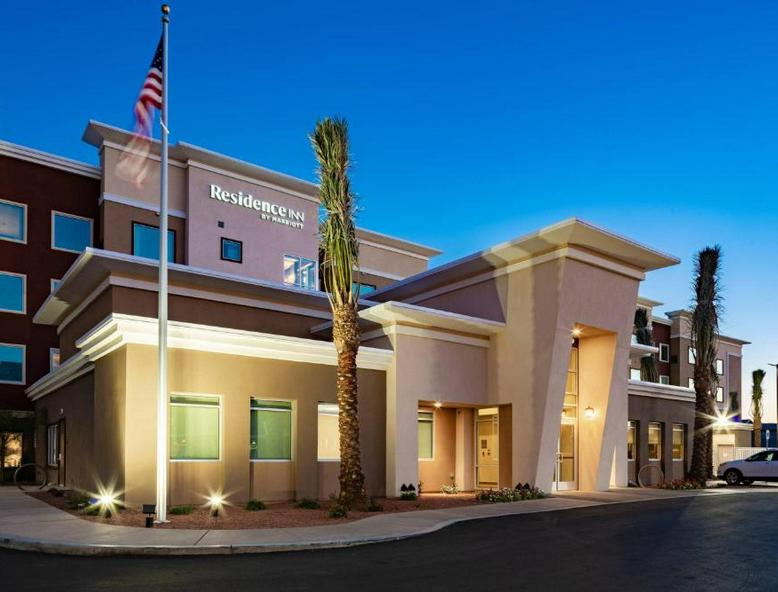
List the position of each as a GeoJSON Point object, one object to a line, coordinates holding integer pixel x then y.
{"type": "Point", "coordinates": [53, 358]}
{"type": "Point", "coordinates": [11, 363]}
{"type": "Point", "coordinates": [691, 383]}
{"type": "Point", "coordinates": [232, 250]}
{"type": "Point", "coordinates": [664, 379]}
{"type": "Point", "coordinates": [362, 289]}
{"type": "Point", "coordinates": [634, 373]}
{"type": "Point", "coordinates": [300, 272]}
{"type": "Point", "coordinates": [55, 284]}
{"type": "Point", "coordinates": [719, 395]}
{"type": "Point", "coordinates": [13, 221]}
{"type": "Point", "coordinates": [664, 352]}
{"type": "Point", "coordinates": [145, 242]}
{"type": "Point", "coordinates": [12, 289]}
{"type": "Point", "coordinates": [70, 233]}
{"type": "Point", "coordinates": [692, 355]}
{"type": "Point", "coordinates": [719, 367]}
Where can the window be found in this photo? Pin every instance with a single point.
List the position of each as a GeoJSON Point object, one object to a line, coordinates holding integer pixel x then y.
{"type": "Point", "coordinates": [271, 430]}
{"type": "Point", "coordinates": [194, 427]}
{"type": "Point", "coordinates": [12, 289]}
{"type": "Point", "coordinates": [362, 289]}
{"type": "Point", "coordinates": [664, 379]}
{"type": "Point", "coordinates": [691, 383]}
{"type": "Point", "coordinates": [329, 436]}
{"type": "Point", "coordinates": [53, 358]}
{"type": "Point", "coordinates": [55, 284]}
{"type": "Point", "coordinates": [70, 233]}
{"type": "Point", "coordinates": [634, 373]}
{"type": "Point", "coordinates": [719, 395]}
{"type": "Point", "coordinates": [632, 439]}
{"type": "Point", "coordinates": [299, 272]}
{"type": "Point", "coordinates": [13, 221]}
{"type": "Point", "coordinates": [11, 363]}
{"type": "Point", "coordinates": [426, 439]}
{"type": "Point", "coordinates": [664, 352]}
{"type": "Point", "coordinates": [145, 242]}
{"type": "Point", "coordinates": [654, 440]}
{"type": "Point", "coordinates": [52, 445]}
{"type": "Point", "coordinates": [720, 367]}
{"type": "Point", "coordinates": [679, 441]}
{"type": "Point", "coordinates": [10, 449]}
{"type": "Point", "coordinates": [692, 355]}
{"type": "Point", "coordinates": [232, 250]}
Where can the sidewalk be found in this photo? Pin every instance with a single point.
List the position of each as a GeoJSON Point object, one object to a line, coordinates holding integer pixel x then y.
{"type": "Point", "coordinates": [32, 525]}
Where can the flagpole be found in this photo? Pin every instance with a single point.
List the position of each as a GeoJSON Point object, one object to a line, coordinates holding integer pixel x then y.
{"type": "Point", "coordinates": [162, 395]}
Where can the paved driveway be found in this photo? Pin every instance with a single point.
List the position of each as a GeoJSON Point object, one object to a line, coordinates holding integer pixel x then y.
{"type": "Point", "coordinates": [726, 542]}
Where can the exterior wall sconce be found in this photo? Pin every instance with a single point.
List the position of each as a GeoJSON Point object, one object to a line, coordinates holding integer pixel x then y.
{"type": "Point", "coordinates": [589, 412]}
{"type": "Point", "coordinates": [438, 405]}
{"type": "Point", "coordinates": [576, 332]}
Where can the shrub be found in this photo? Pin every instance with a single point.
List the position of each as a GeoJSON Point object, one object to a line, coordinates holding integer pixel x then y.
{"type": "Point", "coordinates": [338, 511]}
{"type": "Point", "coordinates": [374, 506]}
{"type": "Point", "coordinates": [308, 504]}
{"type": "Point", "coordinates": [681, 484]}
{"type": "Point", "coordinates": [255, 505]}
{"type": "Point", "coordinates": [182, 510]}
{"type": "Point", "coordinates": [449, 489]}
{"type": "Point", "coordinates": [408, 496]}
{"type": "Point", "coordinates": [509, 495]}
{"type": "Point", "coordinates": [78, 499]}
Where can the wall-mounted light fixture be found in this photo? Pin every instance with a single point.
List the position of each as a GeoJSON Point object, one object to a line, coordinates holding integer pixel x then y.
{"type": "Point", "coordinates": [589, 412]}
{"type": "Point", "coordinates": [576, 332]}
{"type": "Point", "coordinates": [438, 404]}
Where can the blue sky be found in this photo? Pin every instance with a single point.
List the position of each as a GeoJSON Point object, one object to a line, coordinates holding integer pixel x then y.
{"type": "Point", "coordinates": [658, 120]}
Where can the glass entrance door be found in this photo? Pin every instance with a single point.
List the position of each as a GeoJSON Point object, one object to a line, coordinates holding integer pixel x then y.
{"type": "Point", "coordinates": [566, 469]}
{"type": "Point", "coordinates": [487, 442]}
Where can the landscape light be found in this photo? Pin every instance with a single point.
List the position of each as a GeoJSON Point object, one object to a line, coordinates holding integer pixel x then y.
{"type": "Point", "coordinates": [216, 503]}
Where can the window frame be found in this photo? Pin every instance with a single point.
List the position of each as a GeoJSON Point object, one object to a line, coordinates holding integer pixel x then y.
{"type": "Point", "coordinates": [157, 228]}
{"type": "Point", "coordinates": [319, 413]}
{"type": "Point", "coordinates": [691, 383]}
{"type": "Point", "coordinates": [660, 446]}
{"type": "Point", "coordinates": [664, 347]}
{"type": "Point", "coordinates": [719, 394]}
{"type": "Point", "coordinates": [54, 214]}
{"type": "Point", "coordinates": [221, 424]}
{"type": "Point", "coordinates": [292, 432]}
{"type": "Point", "coordinates": [24, 293]}
{"type": "Point", "coordinates": [300, 260]}
{"type": "Point", "coordinates": [23, 347]}
{"type": "Point", "coordinates": [23, 206]}
{"type": "Point", "coordinates": [691, 355]}
{"type": "Point", "coordinates": [716, 363]}
{"type": "Point", "coordinates": [633, 370]}
{"type": "Point", "coordinates": [52, 444]}
{"type": "Point", "coordinates": [221, 249]}
{"type": "Point", "coordinates": [432, 422]}
{"type": "Point", "coordinates": [679, 427]}
{"type": "Point", "coordinates": [666, 379]}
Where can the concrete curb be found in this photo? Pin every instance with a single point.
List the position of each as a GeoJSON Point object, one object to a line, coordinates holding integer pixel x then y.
{"type": "Point", "coordinates": [583, 500]}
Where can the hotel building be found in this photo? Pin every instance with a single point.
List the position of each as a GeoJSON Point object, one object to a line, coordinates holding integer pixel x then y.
{"type": "Point", "coordinates": [504, 366]}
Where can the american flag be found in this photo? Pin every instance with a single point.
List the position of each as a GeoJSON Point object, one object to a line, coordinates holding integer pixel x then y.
{"type": "Point", "coordinates": [134, 162]}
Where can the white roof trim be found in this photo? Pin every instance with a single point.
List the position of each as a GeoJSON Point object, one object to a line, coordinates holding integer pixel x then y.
{"type": "Point", "coordinates": [392, 312]}
{"type": "Point", "coordinates": [50, 160]}
{"type": "Point", "coordinates": [660, 391]}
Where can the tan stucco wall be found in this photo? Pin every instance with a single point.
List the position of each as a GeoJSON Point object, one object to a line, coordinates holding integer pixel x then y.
{"type": "Point", "coordinates": [390, 261]}
{"type": "Point", "coordinates": [236, 379]}
{"type": "Point", "coordinates": [438, 471]}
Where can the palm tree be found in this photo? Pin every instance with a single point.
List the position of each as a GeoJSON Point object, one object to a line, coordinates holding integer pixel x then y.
{"type": "Point", "coordinates": [757, 376]}
{"type": "Point", "coordinates": [704, 330]}
{"type": "Point", "coordinates": [340, 258]}
{"type": "Point", "coordinates": [644, 336]}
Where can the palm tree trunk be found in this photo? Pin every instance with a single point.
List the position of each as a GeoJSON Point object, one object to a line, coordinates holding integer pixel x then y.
{"type": "Point", "coordinates": [702, 450]}
{"type": "Point", "coordinates": [345, 334]}
{"type": "Point", "coordinates": [757, 431]}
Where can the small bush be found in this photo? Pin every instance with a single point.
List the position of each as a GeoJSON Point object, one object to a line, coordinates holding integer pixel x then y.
{"type": "Point", "coordinates": [182, 510]}
{"type": "Point", "coordinates": [78, 499]}
{"type": "Point", "coordinates": [449, 489]}
{"type": "Point", "coordinates": [681, 484]}
{"type": "Point", "coordinates": [338, 511]}
{"type": "Point", "coordinates": [308, 504]}
{"type": "Point", "coordinates": [408, 496]}
{"type": "Point", "coordinates": [374, 506]}
{"type": "Point", "coordinates": [509, 495]}
{"type": "Point", "coordinates": [255, 505]}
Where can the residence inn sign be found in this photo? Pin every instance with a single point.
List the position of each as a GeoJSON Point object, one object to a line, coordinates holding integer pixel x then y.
{"type": "Point", "coordinates": [269, 211]}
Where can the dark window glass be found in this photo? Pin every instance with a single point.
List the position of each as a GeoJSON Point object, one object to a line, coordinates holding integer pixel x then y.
{"type": "Point", "coordinates": [11, 292]}
{"type": "Point", "coordinates": [232, 250]}
{"type": "Point", "coordinates": [11, 363]}
{"type": "Point", "coordinates": [145, 242]}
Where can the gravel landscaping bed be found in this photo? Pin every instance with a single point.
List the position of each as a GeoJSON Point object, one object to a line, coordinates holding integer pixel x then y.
{"type": "Point", "coordinates": [276, 514]}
